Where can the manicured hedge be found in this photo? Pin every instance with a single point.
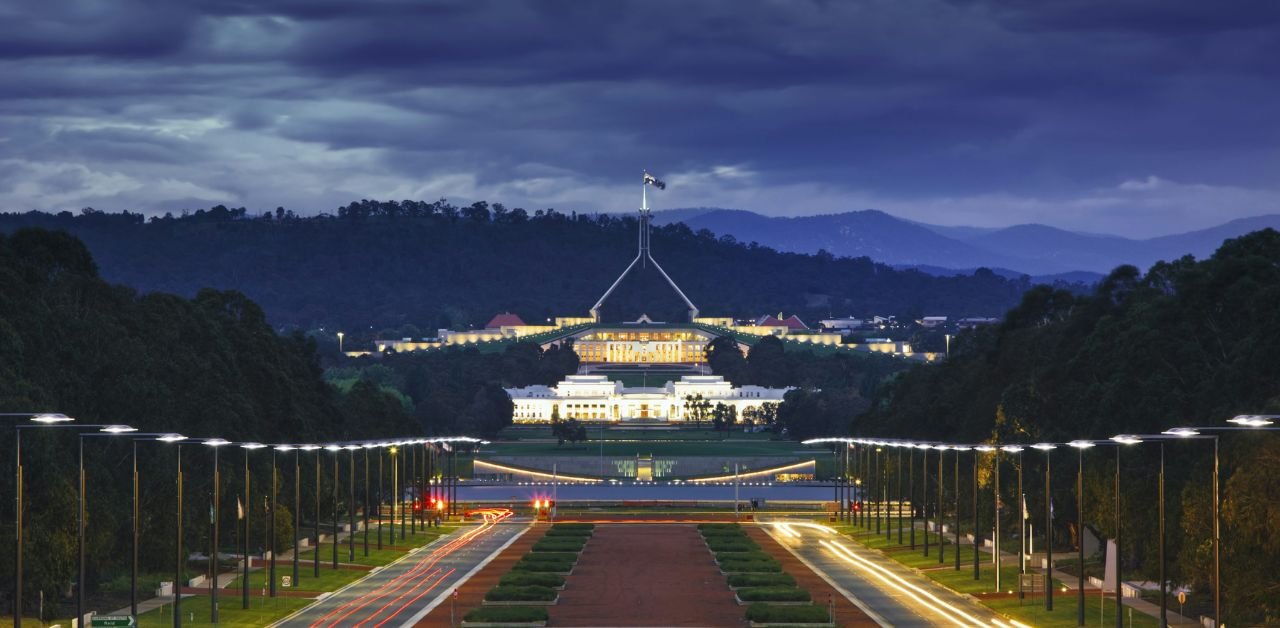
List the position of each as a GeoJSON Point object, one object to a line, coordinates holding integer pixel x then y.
{"type": "Point", "coordinates": [573, 526]}
{"type": "Point", "coordinates": [773, 594]}
{"type": "Point", "coordinates": [549, 567]}
{"type": "Point", "coordinates": [514, 614]}
{"type": "Point", "coordinates": [749, 566]}
{"type": "Point", "coordinates": [761, 580]}
{"type": "Point", "coordinates": [525, 578]}
{"type": "Point", "coordinates": [719, 526]}
{"type": "Point", "coordinates": [559, 544]}
{"type": "Point", "coordinates": [732, 546]}
{"type": "Point", "coordinates": [788, 614]}
{"type": "Point", "coordinates": [526, 593]}
{"type": "Point", "coordinates": [761, 556]}
{"type": "Point", "coordinates": [550, 557]}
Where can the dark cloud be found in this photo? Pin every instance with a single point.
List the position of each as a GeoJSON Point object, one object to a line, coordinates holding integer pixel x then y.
{"type": "Point", "coordinates": [1085, 113]}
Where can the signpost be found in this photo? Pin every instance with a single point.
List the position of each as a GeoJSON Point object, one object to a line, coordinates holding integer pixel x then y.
{"type": "Point", "coordinates": [126, 621]}
{"type": "Point", "coordinates": [1182, 600]}
{"type": "Point", "coordinates": [286, 581]}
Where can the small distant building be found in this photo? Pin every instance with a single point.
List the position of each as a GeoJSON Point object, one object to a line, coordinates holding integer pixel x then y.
{"type": "Point", "coordinates": [932, 321]}
{"type": "Point", "coordinates": [842, 323]}
{"type": "Point", "coordinates": [970, 323]}
{"type": "Point", "coordinates": [792, 322]}
{"type": "Point", "coordinates": [505, 319]}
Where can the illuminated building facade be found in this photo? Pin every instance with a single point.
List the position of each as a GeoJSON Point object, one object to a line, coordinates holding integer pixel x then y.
{"type": "Point", "coordinates": [596, 398]}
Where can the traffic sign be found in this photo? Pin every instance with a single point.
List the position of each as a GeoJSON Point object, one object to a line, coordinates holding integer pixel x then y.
{"type": "Point", "coordinates": [1182, 597]}
{"type": "Point", "coordinates": [126, 621]}
{"type": "Point", "coordinates": [286, 581]}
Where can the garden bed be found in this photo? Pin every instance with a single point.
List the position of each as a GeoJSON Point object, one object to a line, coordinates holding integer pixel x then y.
{"type": "Point", "coordinates": [777, 615]}
{"type": "Point", "coordinates": [486, 616]}
{"type": "Point", "coordinates": [527, 578]}
{"type": "Point", "coordinates": [738, 581]}
{"type": "Point", "coordinates": [784, 596]}
{"type": "Point", "coordinates": [528, 595]}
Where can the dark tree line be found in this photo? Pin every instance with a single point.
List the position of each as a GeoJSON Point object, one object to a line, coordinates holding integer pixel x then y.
{"type": "Point", "coordinates": [1187, 343]}
{"type": "Point", "coordinates": [388, 264]}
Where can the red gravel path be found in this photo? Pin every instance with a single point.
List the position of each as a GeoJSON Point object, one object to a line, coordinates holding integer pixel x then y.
{"type": "Point", "coordinates": [846, 613]}
{"type": "Point", "coordinates": [646, 575]}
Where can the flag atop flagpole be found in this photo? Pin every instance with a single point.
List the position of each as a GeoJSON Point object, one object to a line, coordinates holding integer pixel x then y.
{"type": "Point", "coordinates": [239, 509]}
{"type": "Point", "coordinates": [654, 181]}
{"type": "Point", "coordinates": [1025, 514]}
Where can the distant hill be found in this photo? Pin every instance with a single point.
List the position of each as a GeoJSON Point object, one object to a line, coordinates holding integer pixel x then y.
{"type": "Point", "coordinates": [1032, 249]}
{"type": "Point", "coordinates": [388, 265]}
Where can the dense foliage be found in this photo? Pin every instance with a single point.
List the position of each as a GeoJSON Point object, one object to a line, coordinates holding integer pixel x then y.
{"type": "Point", "coordinates": [1188, 343]}
{"type": "Point", "coordinates": [208, 366]}
{"type": "Point", "coordinates": [386, 264]}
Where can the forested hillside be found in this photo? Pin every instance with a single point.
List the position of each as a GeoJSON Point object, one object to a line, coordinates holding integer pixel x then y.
{"type": "Point", "coordinates": [1188, 343]}
{"type": "Point", "coordinates": [205, 367]}
{"type": "Point", "coordinates": [388, 264]}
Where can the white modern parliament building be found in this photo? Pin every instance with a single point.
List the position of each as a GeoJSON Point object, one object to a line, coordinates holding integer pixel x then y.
{"type": "Point", "coordinates": [597, 398]}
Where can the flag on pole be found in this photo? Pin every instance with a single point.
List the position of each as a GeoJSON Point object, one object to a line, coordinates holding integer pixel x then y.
{"type": "Point", "coordinates": [654, 181]}
{"type": "Point", "coordinates": [239, 509]}
{"type": "Point", "coordinates": [1025, 515]}
{"type": "Point", "coordinates": [210, 513]}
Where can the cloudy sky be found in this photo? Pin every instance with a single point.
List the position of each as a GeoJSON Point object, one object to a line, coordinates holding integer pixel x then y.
{"type": "Point", "coordinates": [1135, 117]}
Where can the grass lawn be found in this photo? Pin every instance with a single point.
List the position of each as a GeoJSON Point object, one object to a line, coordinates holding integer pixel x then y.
{"type": "Point", "coordinates": [1032, 612]}
{"type": "Point", "coordinates": [329, 579]}
{"type": "Point", "coordinates": [195, 611]}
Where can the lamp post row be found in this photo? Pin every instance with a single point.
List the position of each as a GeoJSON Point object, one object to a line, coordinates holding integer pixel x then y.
{"type": "Point", "coordinates": [864, 446]}
{"type": "Point", "coordinates": [54, 420]}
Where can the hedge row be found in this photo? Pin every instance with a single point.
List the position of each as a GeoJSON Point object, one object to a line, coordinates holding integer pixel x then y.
{"type": "Point", "coordinates": [761, 580]}
{"type": "Point", "coordinates": [560, 544]}
{"type": "Point", "coordinates": [773, 594]}
{"type": "Point", "coordinates": [526, 578]}
{"type": "Point", "coordinates": [749, 566]}
{"type": "Point", "coordinates": [518, 593]}
{"type": "Point", "coordinates": [813, 614]}
{"type": "Point", "coordinates": [513, 614]}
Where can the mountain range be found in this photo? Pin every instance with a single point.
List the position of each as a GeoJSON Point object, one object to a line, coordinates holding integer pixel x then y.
{"type": "Point", "coordinates": [1033, 249]}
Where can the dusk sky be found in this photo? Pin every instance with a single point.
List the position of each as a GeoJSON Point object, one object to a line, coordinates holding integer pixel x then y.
{"type": "Point", "coordinates": [1134, 117]}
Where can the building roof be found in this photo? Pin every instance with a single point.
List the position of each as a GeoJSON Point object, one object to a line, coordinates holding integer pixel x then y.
{"type": "Point", "coordinates": [790, 322]}
{"type": "Point", "coordinates": [505, 319]}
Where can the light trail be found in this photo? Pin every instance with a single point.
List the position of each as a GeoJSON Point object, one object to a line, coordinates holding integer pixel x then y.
{"type": "Point", "coordinates": [403, 579]}
{"type": "Point", "coordinates": [406, 604]}
{"type": "Point", "coordinates": [951, 613]}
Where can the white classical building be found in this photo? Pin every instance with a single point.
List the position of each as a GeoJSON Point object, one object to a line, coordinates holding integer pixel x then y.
{"type": "Point", "coordinates": [596, 398]}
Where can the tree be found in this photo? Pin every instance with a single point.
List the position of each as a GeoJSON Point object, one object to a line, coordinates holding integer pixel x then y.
{"type": "Point", "coordinates": [723, 417]}
{"type": "Point", "coordinates": [697, 408]}
{"type": "Point", "coordinates": [572, 430]}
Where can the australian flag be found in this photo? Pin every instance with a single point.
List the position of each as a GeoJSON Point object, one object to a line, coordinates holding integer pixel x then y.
{"type": "Point", "coordinates": [654, 181]}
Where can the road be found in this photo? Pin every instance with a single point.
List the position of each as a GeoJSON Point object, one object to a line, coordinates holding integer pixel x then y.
{"type": "Point", "coordinates": [402, 592]}
{"type": "Point", "coordinates": [891, 594]}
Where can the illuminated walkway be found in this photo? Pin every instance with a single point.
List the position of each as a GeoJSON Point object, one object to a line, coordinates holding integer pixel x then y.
{"type": "Point", "coordinates": [889, 593]}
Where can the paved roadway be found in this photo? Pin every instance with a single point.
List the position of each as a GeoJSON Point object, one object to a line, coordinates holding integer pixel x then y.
{"type": "Point", "coordinates": [891, 594]}
{"type": "Point", "coordinates": [403, 592]}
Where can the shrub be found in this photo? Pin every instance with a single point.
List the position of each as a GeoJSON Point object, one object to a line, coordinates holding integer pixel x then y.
{"type": "Point", "coordinates": [761, 580]}
{"type": "Point", "coordinates": [719, 526]}
{"type": "Point", "coordinates": [543, 547]}
{"type": "Point", "coordinates": [732, 546]}
{"type": "Point", "coordinates": [548, 567]}
{"type": "Point", "coordinates": [526, 593]}
{"type": "Point", "coordinates": [524, 579]}
{"type": "Point", "coordinates": [811, 614]}
{"type": "Point", "coordinates": [551, 557]}
{"type": "Point", "coordinates": [497, 614]}
{"type": "Point", "coordinates": [760, 556]}
{"type": "Point", "coordinates": [773, 594]}
{"type": "Point", "coordinates": [749, 566]}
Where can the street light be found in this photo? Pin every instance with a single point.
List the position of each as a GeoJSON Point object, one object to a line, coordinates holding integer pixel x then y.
{"type": "Point", "coordinates": [109, 430]}
{"type": "Point", "coordinates": [248, 509]}
{"type": "Point", "coordinates": [334, 449]}
{"type": "Point", "coordinates": [340, 335]}
{"type": "Point", "coordinates": [351, 501]}
{"type": "Point", "coordinates": [995, 488]}
{"type": "Point", "coordinates": [1047, 448]}
{"type": "Point", "coordinates": [1022, 519]}
{"type": "Point", "coordinates": [956, 480]}
{"type": "Point", "coordinates": [1120, 439]}
{"type": "Point", "coordinates": [215, 443]}
{"type": "Point", "coordinates": [274, 484]}
{"type": "Point", "coordinates": [315, 524]}
{"type": "Point", "coordinates": [1080, 446]}
{"type": "Point", "coordinates": [179, 560]}
{"type": "Point", "coordinates": [40, 419]}
{"type": "Point", "coordinates": [938, 512]}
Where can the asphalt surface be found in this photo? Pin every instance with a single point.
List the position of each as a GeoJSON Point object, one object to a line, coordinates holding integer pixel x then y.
{"type": "Point", "coordinates": [891, 594]}
{"type": "Point", "coordinates": [400, 593]}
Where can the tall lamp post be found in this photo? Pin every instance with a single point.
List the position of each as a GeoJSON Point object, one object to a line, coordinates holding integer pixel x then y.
{"type": "Point", "coordinates": [179, 559]}
{"type": "Point", "coordinates": [995, 491]}
{"type": "Point", "coordinates": [215, 443]}
{"type": "Point", "coordinates": [351, 501]}
{"type": "Point", "coordinates": [1022, 519]}
{"type": "Point", "coordinates": [1048, 448]}
{"type": "Point", "coordinates": [106, 430]}
{"type": "Point", "coordinates": [315, 522]}
{"type": "Point", "coordinates": [40, 420]}
{"type": "Point", "coordinates": [334, 449]}
{"type": "Point", "coordinates": [938, 512]}
{"type": "Point", "coordinates": [297, 517]}
{"type": "Point", "coordinates": [1120, 439]}
{"type": "Point", "coordinates": [958, 449]}
{"type": "Point", "coordinates": [247, 510]}
{"type": "Point", "coordinates": [1080, 446]}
